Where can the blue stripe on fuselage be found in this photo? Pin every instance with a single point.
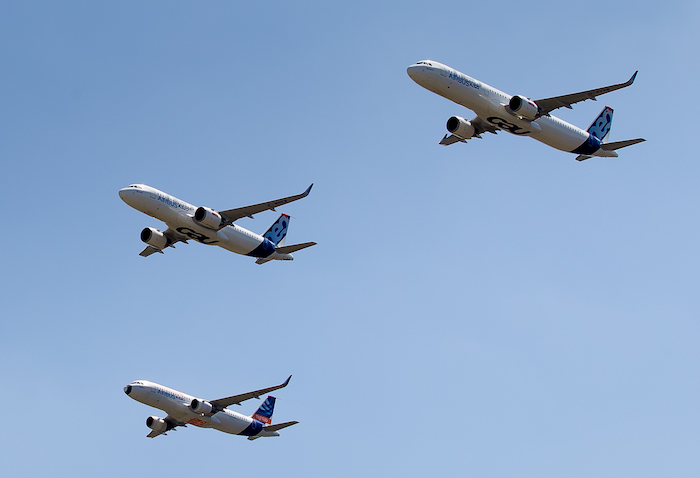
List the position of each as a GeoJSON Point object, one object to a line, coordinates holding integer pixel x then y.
{"type": "Point", "coordinates": [265, 248]}
{"type": "Point", "coordinates": [590, 146]}
{"type": "Point", "coordinates": [253, 429]}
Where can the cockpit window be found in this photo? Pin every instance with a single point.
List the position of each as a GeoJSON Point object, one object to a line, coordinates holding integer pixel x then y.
{"type": "Point", "coordinates": [424, 63]}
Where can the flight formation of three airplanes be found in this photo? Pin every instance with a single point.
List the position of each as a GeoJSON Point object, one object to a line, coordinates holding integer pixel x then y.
{"type": "Point", "coordinates": [494, 110]}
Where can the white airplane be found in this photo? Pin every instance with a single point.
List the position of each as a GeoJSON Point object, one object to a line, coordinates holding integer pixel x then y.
{"type": "Point", "coordinates": [183, 409]}
{"type": "Point", "coordinates": [517, 114]}
{"type": "Point", "coordinates": [210, 227]}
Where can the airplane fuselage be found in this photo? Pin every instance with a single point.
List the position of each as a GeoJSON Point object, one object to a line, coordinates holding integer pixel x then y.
{"type": "Point", "coordinates": [179, 216]}
{"type": "Point", "coordinates": [492, 105]}
{"type": "Point", "coordinates": [177, 405]}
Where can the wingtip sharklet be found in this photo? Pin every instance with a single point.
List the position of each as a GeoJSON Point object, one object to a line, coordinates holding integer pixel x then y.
{"type": "Point", "coordinates": [631, 80]}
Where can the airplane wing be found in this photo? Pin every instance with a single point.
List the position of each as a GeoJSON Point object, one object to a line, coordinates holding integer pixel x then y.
{"type": "Point", "coordinates": [550, 104]}
{"type": "Point", "coordinates": [148, 251]}
{"type": "Point", "coordinates": [222, 403]}
{"type": "Point", "coordinates": [451, 139]}
{"type": "Point", "coordinates": [480, 126]}
{"type": "Point", "coordinates": [171, 422]}
{"type": "Point", "coordinates": [232, 215]}
{"type": "Point", "coordinates": [173, 237]}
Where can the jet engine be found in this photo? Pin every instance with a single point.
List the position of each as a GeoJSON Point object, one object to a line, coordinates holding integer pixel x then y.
{"type": "Point", "coordinates": [460, 127]}
{"type": "Point", "coordinates": [157, 424]}
{"type": "Point", "coordinates": [153, 237]}
{"type": "Point", "coordinates": [202, 407]}
{"type": "Point", "coordinates": [525, 107]}
{"type": "Point", "coordinates": [208, 218]}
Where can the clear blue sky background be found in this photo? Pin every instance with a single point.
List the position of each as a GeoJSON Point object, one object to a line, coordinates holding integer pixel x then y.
{"type": "Point", "coordinates": [492, 309]}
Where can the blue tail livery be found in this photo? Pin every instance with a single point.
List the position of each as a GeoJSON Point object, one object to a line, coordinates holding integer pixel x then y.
{"type": "Point", "coordinates": [601, 126]}
{"type": "Point", "coordinates": [278, 231]}
{"type": "Point", "coordinates": [264, 413]}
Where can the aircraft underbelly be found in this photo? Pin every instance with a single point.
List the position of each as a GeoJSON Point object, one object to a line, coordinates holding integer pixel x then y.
{"type": "Point", "coordinates": [239, 242]}
{"type": "Point", "coordinates": [548, 130]}
{"type": "Point", "coordinates": [231, 424]}
{"type": "Point", "coordinates": [230, 238]}
{"type": "Point", "coordinates": [559, 135]}
{"type": "Point", "coordinates": [221, 421]}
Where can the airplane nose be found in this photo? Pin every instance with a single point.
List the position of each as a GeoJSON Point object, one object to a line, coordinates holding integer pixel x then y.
{"type": "Point", "coordinates": [127, 389]}
{"type": "Point", "coordinates": [129, 195]}
{"type": "Point", "coordinates": [419, 73]}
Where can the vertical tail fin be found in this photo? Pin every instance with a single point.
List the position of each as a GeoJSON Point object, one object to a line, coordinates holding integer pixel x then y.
{"type": "Point", "coordinates": [264, 413]}
{"type": "Point", "coordinates": [278, 231]}
{"type": "Point", "coordinates": [601, 126]}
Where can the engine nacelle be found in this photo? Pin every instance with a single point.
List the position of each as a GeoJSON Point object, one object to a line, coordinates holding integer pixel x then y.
{"type": "Point", "coordinates": [202, 407]}
{"type": "Point", "coordinates": [525, 107]}
{"type": "Point", "coordinates": [208, 218]}
{"type": "Point", "coordinates": [157, 424]}
{"type": "Point", "coordinates": [153, 237]}
{"type": "Point", "coordinates": [460, 127]}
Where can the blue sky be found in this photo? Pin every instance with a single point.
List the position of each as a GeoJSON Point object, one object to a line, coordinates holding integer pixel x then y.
{"type": "Point", "coordinates": [490, 309]}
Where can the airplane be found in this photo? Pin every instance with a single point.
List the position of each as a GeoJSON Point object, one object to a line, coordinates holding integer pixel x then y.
{"type": "Point", "coordinates": [183, 409]}
{"type": "Point", "coordinates": [521, 116]}
{"type": "Point", "coordinates": [210, 227]}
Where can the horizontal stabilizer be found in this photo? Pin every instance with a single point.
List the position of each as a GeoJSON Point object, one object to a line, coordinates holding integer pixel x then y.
{"type": "Point", "coordinates": [294, 247]}
{"type": "Point", "coordinates": [279, 426]}
{"type": "Point", "coordinates": [272, 428]}
{"type": "Point", "coordinates": [620, 144]}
